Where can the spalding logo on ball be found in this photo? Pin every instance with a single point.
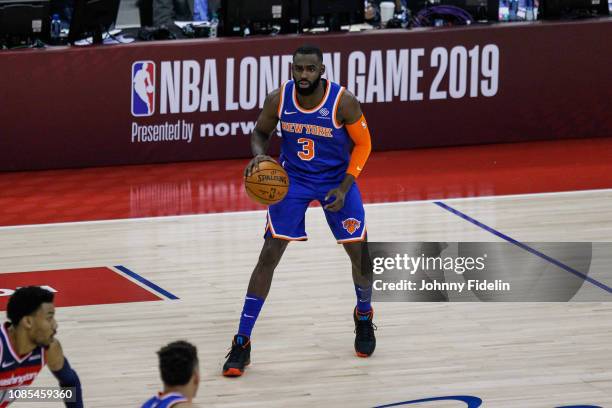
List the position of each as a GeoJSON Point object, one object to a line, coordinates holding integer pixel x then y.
{"type": "Point", "coordinates": [269, 184]}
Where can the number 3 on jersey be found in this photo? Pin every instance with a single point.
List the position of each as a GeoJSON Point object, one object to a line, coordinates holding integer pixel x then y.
{"type": "Point", "coordinates": [308, 149]}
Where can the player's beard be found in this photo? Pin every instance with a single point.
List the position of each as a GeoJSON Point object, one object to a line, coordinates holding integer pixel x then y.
{"type": "Point", "coordinates": [45, 342]}
{"type": "Point", "coordinates": [311, 88]}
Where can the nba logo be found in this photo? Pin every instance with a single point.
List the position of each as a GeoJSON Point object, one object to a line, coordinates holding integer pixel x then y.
{"type": "Point", "coordinates": [143, 88]}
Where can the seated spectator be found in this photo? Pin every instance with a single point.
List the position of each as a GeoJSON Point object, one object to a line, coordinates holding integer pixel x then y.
{"type": "Point", "coordinates": [372, 11]}
{"type": "Point", "coordinates": [64, 9]}
{"type": "Point", "coordinates": [166, 12]}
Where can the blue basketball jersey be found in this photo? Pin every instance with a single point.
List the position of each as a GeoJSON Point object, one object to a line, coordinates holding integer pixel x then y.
{"type": "Point", "coordinates": [314, 145]}
{"type": "Point", "coordinates": [15, 370]}
{"type": "Point", "coordinates": [164, 400]}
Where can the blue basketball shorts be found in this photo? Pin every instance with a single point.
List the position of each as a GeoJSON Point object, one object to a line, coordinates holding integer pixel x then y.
{"type": "Point", "coordinates": [286, 219]}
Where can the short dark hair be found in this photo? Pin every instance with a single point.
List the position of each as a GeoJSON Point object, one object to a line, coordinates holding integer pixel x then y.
{"type": "Point", "coordinates": [177, 361]}
{"type": "Point", "coordinates": [26, 301]}
{"type": "Point", "coordinates": [309, 49]}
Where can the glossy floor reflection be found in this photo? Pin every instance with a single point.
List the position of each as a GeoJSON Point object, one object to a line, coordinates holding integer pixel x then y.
{"type": "Point", "coordinates": [216, 186]}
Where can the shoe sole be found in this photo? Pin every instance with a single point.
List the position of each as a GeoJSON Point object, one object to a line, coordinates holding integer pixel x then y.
{"type": "Point", "coordinates": [362, 355]}
{"type": "Point", "coordinates": [235, 372]}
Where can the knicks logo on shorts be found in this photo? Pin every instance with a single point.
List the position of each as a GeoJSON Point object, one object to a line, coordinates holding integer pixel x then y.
{"type": "Point", "coordinates": [143, 88]}
{"type": "Point", "coordinates": [351, 225]}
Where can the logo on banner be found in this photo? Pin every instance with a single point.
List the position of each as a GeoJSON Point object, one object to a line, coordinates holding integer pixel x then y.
{"type": "Point", "coordinates": [143, 88]}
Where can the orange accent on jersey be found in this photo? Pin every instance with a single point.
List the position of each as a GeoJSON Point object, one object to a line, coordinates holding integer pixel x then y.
{"type": "Point", "coordinates": [357, 239]}
{"type": "Point", "coordinates": [270, 227]}
{"type": "Point", "coordinates": [360, 134]}
{"type": "Point", "coordinates": [316, 108]}
{"type": "Point", "coordinates": [280, 101]}
{"type": "Point", "coordinates": [308, 149]}
{"type": "Point", "coordinates": [336, 105]}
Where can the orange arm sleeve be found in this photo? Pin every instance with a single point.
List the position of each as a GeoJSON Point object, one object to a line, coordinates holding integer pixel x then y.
{"type": "Point", "coordinates": [360, 134]}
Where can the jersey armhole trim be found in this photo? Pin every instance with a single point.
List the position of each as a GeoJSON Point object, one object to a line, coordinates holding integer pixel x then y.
{"type": "Point", "coordinates": [335, 110]}
{"type": "Point", "coordinates": [281, 102]}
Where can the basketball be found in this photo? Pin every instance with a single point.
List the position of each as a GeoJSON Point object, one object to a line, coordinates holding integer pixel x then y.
{"type": "Point", "coordinates": [269, 184]}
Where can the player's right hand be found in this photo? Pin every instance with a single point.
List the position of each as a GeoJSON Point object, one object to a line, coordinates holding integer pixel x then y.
{"type": "Point", "coordinates": [253, 165]}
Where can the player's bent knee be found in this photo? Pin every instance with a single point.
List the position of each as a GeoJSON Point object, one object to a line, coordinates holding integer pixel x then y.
{"type": "Point", "coordinates": [274, 247]}
{"type": "Point", "coordinates": [353, 249]}
{"type": "Point", "coordinates": [271, 252]}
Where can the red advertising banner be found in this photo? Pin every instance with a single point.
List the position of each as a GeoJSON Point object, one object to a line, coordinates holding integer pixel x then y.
{"type": "Point", "coordinates": [199, 99]}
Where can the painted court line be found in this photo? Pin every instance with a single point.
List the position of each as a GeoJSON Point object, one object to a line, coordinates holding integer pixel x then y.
{"type": "Point", "coordinates": [523, 246]}
{"type": "Point", "coordinates": [146, 282]}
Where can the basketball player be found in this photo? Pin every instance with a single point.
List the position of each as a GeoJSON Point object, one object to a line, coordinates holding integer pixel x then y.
{"type": "Point", "coordinates": [320, 123]}
{"type": "Point", "coordinates": [178, 365]}
{"type": "Point", "coordinates": [28, 343]}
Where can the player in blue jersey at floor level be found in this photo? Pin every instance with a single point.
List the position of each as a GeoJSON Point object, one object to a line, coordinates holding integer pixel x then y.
{"type": "Point", "coordinates": [320, 123]}
{"type": "Point", "coordinates": [180, 373]}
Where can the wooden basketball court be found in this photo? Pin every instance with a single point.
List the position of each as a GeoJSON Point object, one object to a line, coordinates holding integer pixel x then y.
{"type": "Point", "coordinates": [507, 354]}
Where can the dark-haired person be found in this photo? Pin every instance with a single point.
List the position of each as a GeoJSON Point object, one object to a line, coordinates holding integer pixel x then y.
{"type": "Point", "coordinates": [28, 343]}
{"type": "Point", "coordinates": [178, 366]}
{"type": "Point", "coordinates": [325, 145]}
{"type": "Point", "coordinates": [372, 10]}
{"type": "Point", "coordinates": [166, 12]}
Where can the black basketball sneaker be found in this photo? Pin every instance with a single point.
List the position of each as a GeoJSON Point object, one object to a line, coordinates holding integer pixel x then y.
{"type": "Point", "coordinates": [365, 341]}
{"type": "Point", "coordinates": [238, 357]}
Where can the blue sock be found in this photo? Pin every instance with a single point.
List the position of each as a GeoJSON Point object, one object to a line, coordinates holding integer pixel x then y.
{"type": "Point", "coordinates": [250, 311]}
{"type": "Point", "coordinates": [364, 297]}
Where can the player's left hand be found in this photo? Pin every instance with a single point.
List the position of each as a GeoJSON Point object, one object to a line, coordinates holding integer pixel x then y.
{"type": "Point", "coordinates": [338, 203]}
